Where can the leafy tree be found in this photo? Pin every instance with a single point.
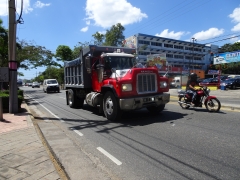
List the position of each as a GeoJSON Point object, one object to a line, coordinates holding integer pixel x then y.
{"type": "Point", "coordinates": [52, 73]}
{"type": "Point", "coordinates": [236, 46]}
{"type": "Point", "coordinates": [64, 53]}
{"type": "Point", "coordinates": [230, 47]}
{"type": "Point", "coordinates": [30, 56]}
{"type": "Point", "coordinates": [98, 38]}
{"type": "Point", "coordinates": [114, 36]}
{"type": "Point", "coordinates": [78, 48]}
{"type": "Point", "coordinates": [3, 46]}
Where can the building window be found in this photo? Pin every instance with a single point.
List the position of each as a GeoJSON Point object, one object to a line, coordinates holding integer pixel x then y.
{"type": "Point", "coordinates": [168, 45]}
{"type": "Point", "coordinates": [178, 56]}
{"type": "Point", "coordinates": [188, 57]}
{"type": "Point", "coordinates": [198, 49]}
{"type": "Point", "coordinates": [197, 58]}
{"type": "Point", "coordinates": [156, 44]}
{"type": "Point", "coordinates": [178, 47]}
{"type": "Point", "coordinates": [169, 55]}
{"type": "Point", "coordinates": [144, 53]}
{"type": "Point", "coordinates": [189, 48]}
{"type": "Point", "coordinates": [144, 42]}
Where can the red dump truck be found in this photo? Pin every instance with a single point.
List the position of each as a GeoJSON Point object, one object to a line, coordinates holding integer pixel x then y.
{"type": "Point", "coordinates": [109, 78]}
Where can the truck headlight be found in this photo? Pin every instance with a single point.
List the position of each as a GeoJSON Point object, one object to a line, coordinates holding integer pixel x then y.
{"type": "Point", "coordinates": [163, 84]}
{"type": "Point", "coordinates": [126, 87]}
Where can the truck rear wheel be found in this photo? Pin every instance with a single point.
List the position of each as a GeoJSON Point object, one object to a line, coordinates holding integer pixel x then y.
{"type": "Point", "coordinates": [156, 109]}
{"type": "Point", "coordinates": [71, 99]}
{"type": "Point", "coordinates": [111, 107]}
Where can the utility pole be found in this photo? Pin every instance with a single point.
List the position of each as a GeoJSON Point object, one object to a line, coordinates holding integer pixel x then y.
{"type": "Point", "coordinates": [193, 39]}
{"type": "Point", "coordinates": [13, 98]}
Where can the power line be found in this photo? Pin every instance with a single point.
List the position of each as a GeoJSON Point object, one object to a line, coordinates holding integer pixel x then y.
{"type": "Point", "coordinates": [223, 39]}
{"type": "Point", "coordinates": [175, 15]}
{"type": "Point", "coordinates": [149, 22]}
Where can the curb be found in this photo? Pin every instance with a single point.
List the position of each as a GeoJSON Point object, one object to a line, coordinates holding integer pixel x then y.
{"type": "Point", "coordinates": [58, 166]}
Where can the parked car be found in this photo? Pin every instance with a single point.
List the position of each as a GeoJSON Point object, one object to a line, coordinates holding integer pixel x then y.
{"type": "Point", "coordinates": [231, 83]}
{"type": "Point", "coordinates": [29, 84]}
{"type": "Point", "coordinates": [210, 82]}
{"type": "Point", "coordinates": [35, 84]}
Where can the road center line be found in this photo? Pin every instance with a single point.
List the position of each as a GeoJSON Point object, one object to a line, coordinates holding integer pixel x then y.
{"type": "Point", "coordinates": [115, 160]}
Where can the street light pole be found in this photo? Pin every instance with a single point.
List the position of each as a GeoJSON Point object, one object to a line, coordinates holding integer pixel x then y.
{"type": "Point", "coordinates": [193, 39]}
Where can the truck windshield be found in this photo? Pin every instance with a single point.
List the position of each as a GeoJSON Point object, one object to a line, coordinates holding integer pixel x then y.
{"type": "Point", "coordinates": [118, 62]}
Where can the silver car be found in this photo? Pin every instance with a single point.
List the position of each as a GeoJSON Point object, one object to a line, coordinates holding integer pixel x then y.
{"type": "Point", "coordinates": [35, 84]}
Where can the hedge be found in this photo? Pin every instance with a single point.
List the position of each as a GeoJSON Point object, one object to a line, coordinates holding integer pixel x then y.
{"type": "Point", "coordinates": [5, 98]}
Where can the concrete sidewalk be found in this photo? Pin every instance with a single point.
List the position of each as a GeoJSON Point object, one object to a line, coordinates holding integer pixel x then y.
{"type": "Point", "coordinates": [22, 152]}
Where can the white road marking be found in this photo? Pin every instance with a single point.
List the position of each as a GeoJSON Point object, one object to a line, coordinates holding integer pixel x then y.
{"type": "Point", "coordinates": [76, 131]}
{"type": "Point", "coordinates": [47, 110]}
{"type": "Point", "coordinates": [115, 160]}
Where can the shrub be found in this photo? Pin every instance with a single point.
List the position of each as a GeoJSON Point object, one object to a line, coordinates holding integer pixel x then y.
{"type": "Point", "coordinates": [5, 100]}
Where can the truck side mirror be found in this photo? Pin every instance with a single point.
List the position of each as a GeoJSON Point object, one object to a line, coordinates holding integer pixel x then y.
{"type": "Point", "coordinates": [88, 64]}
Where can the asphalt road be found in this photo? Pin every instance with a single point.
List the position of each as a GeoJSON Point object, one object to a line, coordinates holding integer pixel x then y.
{"type": "Point", "coordinates": [176, 144]}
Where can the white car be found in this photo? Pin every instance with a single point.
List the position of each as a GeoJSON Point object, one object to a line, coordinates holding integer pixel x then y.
{"type": "Point", "coordinates": [51, 85]}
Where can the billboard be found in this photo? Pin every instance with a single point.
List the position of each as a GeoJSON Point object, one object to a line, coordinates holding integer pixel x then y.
{"type": "Point", "coordinates": [227, 57]}
{"type": "Point", "coordinates": [159, 59]}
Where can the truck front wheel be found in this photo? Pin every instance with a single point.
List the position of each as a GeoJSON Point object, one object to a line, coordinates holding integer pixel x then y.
{"type": "Point", "coordinates": [156, 109]}
{"type": "Point", "coordinates": [111, 107]}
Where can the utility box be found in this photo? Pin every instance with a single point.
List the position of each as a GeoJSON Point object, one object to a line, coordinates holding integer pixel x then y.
{"type": "Point", "coordinates": [4, 74]}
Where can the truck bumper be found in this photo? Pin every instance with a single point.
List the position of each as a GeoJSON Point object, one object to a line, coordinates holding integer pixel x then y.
{"type": "Point", "coordinates": [140, 102]}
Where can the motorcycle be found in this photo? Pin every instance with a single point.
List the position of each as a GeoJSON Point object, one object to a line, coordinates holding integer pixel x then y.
{"type": "Point", "coordinates": [202, 97]}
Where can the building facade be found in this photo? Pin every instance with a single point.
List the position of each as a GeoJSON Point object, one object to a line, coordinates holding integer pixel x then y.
{"type": "Point", "coordinates": [182, 54]}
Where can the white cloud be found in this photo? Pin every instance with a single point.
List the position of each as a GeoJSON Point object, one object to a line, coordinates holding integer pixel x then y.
{"type": "Point", "coordinates": [210, 33]}
{"type": "Point", "coordinates": [84, 29]}
{"type": "Point", "coordinates": [106, 13]}
{"type": "Point", "coordinates": [39, 4]}
{"type": "Point", "coordinates": [26, 6]}
{"type": "Point", "coordinates": [102, 32]}
{"type": "Point", "coordinates": [236, 19]}
{"type": "Point", "coordinates": [171, 34]}
{"type": "Point", "coordinates": [88, 22]}
{"type": "Point", "coordinates": [4, 7]}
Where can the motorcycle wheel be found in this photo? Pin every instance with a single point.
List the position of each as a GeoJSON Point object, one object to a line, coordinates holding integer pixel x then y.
{"type": "Point", "coordinates": [182, 99]}
{"type": "Point", "coordinates": [213, 105]}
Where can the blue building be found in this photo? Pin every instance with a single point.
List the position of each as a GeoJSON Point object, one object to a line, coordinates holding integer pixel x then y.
{"type": "Point", "coordinates": [179, 53]}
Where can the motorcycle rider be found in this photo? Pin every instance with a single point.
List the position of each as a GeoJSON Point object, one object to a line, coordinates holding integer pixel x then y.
{"type": "Point", "coordinates": [190, 88]}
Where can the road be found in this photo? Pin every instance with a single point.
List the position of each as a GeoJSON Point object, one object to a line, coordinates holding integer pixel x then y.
{"type": "Point", "coordinates": [176, 144]}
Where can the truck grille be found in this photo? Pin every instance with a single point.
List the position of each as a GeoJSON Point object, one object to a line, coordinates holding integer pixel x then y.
{"type": "Point", "coordinates": [146, 83]}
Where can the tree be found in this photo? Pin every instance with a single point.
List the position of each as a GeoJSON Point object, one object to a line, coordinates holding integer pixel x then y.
{"type": "Point", "coordinates": [3, 46]}
{"type": "Point", "coordinates": [64, 53]}
{"type": "Point", "coordinates": [52, 73]}
{"type": "Point", "coordinates": [98, 38]}
{"type": "Point", "coordinates": [29, 55]}
{"type": "Point", "coordinates": [77, 49]}
{"type": "Point", "coordinates": [230, 47]}
{"type": "Point", "coordinates": [114, 36]}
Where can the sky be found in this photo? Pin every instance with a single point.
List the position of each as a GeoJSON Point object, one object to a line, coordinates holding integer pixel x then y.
{"type": "Point", "coordinates": [51, 23]}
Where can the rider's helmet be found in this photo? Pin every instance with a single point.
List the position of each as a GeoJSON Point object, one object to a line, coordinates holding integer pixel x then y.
{"type": "Point", "coordinates": [193, 76]}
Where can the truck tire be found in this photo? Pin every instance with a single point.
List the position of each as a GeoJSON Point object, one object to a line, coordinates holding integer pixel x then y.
{"type": "Point", "coordinates": [156, 109]}
{"type": "Point", "coordinates": [71, 99]}
{"type": "Point", "coordinates": [111, 107]}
